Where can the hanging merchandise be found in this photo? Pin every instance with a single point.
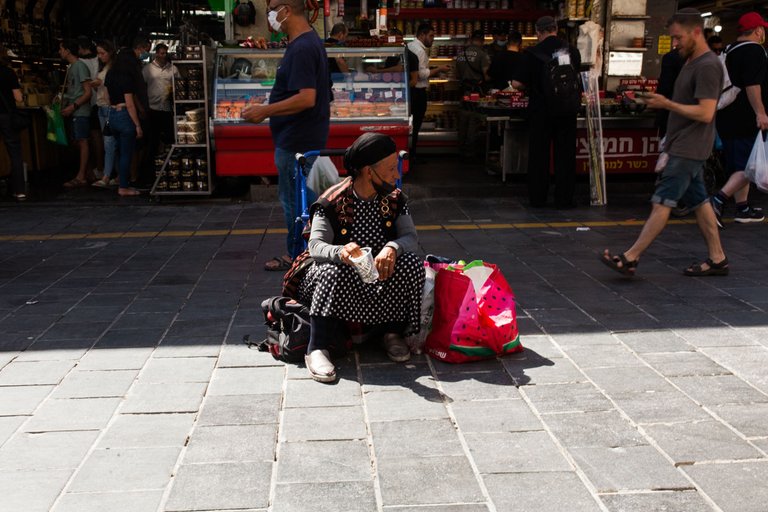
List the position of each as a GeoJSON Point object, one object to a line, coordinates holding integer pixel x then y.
{"type": "Point", "coordinates": [244, 13]}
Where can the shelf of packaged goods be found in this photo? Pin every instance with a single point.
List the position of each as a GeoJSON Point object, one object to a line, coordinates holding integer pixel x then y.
{"type": "Point", "coordinates": [335, 119]}
{"type": "Point", "coordinates": [473, 14]}
{"type": "Point", "coordinates": [441, 59]}
{"type": "Point", "coordinates": [579, 19]}
{"type": "Point", "coordinates": [177, 193]}
{"type": "Point", "coordinates": [628, 49]}
{"type": "Point", "coordinates": [189, 101]}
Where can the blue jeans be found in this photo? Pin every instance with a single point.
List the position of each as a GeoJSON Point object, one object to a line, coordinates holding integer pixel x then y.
{"type": "Point", "coordinates": [124, 132]}
{"type": "Point", "coordinates": [285, 162]}
{"type": "Point", "coordinates": [110, 144]}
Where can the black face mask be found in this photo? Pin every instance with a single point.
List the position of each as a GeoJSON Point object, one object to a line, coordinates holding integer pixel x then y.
{"type": "Point", "coordinates": [384, 188]}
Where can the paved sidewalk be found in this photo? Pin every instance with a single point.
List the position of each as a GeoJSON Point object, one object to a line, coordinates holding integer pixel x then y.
{"type": "Point", "coordinates": [125, 384]}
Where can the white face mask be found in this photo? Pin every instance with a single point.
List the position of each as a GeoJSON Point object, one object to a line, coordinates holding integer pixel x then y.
{"type": "Point", "coordinates": [272, 19]}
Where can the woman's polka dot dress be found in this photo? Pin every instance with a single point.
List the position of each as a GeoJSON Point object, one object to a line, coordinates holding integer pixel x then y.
{"type": "Point", "coordinates": [336, 290]}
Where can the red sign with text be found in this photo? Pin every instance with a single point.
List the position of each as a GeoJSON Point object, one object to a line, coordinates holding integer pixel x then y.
{"type": "Point", "coordinates": [626, 151]}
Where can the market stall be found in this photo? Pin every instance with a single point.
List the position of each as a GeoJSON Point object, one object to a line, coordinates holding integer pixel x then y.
{"type": "Point", "coordinates": [365, 100]}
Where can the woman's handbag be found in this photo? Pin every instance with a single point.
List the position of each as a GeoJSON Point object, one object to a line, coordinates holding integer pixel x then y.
{"type": "Point", "coordinates": [474, 315]}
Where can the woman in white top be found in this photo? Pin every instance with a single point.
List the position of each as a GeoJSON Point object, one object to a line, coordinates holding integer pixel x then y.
{"type": "Point", "coordinates": [105, 51]}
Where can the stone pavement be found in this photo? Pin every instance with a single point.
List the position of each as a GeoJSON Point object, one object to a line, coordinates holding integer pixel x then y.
{"type": "Point", "coordinates": [125, 384]}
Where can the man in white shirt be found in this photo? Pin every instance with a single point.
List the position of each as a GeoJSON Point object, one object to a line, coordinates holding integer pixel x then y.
{"type": "Point", "coordinates": [158, 75]}
{"type": "Point", "coordinates": [418, 79]}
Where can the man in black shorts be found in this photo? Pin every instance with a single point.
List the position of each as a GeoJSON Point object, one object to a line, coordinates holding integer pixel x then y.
{"type": "Point", "coordinates": [739, 122]}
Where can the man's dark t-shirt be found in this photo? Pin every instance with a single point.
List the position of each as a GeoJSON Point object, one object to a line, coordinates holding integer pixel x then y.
{"type": "Point", "coordinates": [747, 65]}
{"type": "Point", "coordinates": [413, 63]}
{"type": "Point", "coordinates": [503, 68]}
{"type": "Point", "coordinates": [8, 82]}
{"type": "Point", "coordinates": [531, 68]}
{"type": "Point", "coordinates": [304, 66]}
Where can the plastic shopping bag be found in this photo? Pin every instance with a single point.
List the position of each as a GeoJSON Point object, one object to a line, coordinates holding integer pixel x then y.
{"type": "Point", "coordinates": [416, 342]}
{"type": "Point", "coordinates": [323, 175]}
{"type": "Point", "coordinates": [56, 131]}
{"type": "Point", "coordinates": [757, 165]}
{"type": "Point", "coordinates": [474, 316]}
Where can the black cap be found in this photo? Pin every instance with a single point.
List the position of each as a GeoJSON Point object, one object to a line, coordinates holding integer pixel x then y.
{"type": "Point", "coordinates": [545, 22]}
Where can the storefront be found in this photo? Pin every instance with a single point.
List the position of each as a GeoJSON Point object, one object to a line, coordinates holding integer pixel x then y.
{"type": "Point", "coordinates": [207, 40]}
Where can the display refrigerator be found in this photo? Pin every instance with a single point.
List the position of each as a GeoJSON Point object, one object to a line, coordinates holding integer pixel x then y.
{"type": "Point", "coordinates": [371, 97]}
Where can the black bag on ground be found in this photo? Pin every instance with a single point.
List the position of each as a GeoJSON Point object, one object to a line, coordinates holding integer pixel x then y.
{"type": "Point", "coordinates": [560, 84]}
{"type": "Point", "coordinates": [288, 329]}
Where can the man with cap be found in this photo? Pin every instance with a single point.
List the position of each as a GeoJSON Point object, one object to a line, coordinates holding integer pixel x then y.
{"type": "Point", "coordinates": [472, 70]}
{"type": "Point", "coordinates": [739, 122]}
{"type": "Point", "coordinates": [551, 122]}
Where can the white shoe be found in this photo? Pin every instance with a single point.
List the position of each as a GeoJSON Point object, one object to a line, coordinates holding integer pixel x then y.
{"type": "Point", "coordinates": [320, 366]}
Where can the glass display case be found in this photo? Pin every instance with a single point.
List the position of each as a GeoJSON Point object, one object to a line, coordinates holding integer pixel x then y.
{"type": "Point", "coordinates": [371, 95]}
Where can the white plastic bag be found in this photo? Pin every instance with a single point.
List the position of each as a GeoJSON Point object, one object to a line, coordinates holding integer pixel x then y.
{"type": "Point", "coordinates": [417, 341]}
{"type": "Point", "coordinates": [757, 165]}
{"type": "Point", "coordinates": [323, 175]}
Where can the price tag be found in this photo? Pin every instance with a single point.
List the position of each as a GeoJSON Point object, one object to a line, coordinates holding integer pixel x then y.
{"type": "Point", "coordinates": [388, 94]}
{"type": "Point", "coordinates": [374, 32]}
{"type": "Point", "coordinates": [391, 39]}
{"type": "Point", "coordinates": [398, 94]}
{"type": "Point", "coordinates": [357, 88]}
{"type": "Point", "coordinates": [368, 95]}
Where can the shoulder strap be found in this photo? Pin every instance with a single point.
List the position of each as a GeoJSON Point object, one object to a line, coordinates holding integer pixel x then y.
{"type": "Point", "coordinates": [738, 44]}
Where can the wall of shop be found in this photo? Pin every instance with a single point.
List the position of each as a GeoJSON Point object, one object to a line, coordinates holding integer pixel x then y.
{"type": "Point", "coordinates": [656, 26]}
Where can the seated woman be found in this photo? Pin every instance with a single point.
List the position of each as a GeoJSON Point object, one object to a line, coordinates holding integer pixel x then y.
{"type": "Point", "coordinates": [364, 210]}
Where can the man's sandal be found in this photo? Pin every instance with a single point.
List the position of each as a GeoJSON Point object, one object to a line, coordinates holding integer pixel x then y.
{"type": "Point", "coordinates": [713, 269]}
{"type": "Point", "coordinates": [619, 263]}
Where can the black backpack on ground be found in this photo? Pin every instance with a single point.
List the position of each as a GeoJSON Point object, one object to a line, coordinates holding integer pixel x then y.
{"type": "Point", "coordinates": [559, 84]}
{"type": "Point", "coordinates": [288, 329]}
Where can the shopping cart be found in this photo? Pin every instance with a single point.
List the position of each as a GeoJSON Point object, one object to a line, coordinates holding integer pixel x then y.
{"type": "Point", "coordinates": [301, 172]}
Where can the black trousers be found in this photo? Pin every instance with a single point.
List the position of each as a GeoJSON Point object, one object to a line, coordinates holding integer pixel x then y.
{"type": "Point", "coordinates": [547, 134]}
{"type": "Point", "coordinates": [12, 141]}
{"type": "Point", "coordinates": [418, 110]}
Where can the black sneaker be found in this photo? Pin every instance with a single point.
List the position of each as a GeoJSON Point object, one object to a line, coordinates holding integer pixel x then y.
{"type": "Point", "coordinates": [718, 207]}
{"type": "Point", "coordinates": [749, 214]}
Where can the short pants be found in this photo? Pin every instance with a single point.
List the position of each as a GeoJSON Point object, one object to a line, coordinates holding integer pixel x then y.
{"type": "Point", "coordinates": [681, 180]}
{"type": "Point", "coordinates": [81, 128]}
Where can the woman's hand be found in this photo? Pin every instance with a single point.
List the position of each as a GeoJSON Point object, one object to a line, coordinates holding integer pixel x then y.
{"type": "Point", "coordinates": [385, 263]}
{"type": "Point", "coordinates": [139, 132]}
{"type": "Point", "coordinates": [349, 251]}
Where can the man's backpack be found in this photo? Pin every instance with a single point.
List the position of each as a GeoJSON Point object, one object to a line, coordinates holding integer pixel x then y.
{"type": "Point", "coordinates": [559, 84]}
{"type": "Point", "coordinates": [288, 329]}
{"type": "Point", "coordinates": [729, 92]}
{"type": "Point", "coordinates": [244, 14]}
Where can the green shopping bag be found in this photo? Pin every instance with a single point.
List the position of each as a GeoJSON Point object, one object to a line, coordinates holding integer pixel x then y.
{"type": "Point", "coordinates": [56, 132]}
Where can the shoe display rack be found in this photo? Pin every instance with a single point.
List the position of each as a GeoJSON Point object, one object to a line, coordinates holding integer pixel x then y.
{"type": "Point", "coordinates": [186, 169]}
